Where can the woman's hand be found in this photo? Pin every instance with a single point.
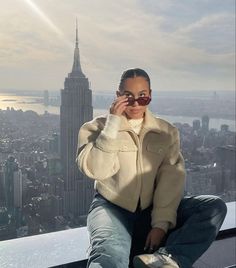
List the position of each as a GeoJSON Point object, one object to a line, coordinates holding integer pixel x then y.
{"type": "Point", "coordinates": [119, 105]}
{"type": "Point", "coordinates": [154, 239]}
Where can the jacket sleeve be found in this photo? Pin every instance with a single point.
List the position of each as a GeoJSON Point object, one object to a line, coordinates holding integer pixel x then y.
{"type": "Point", "coordinates": [170, 185]}
{"type": "Point", "coordinates": [97, 153]}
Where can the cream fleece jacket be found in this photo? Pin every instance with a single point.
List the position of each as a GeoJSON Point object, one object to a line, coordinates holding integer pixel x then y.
{"type": "Point", "coordinates": [111, 129]}
{"type": "Point", "coordinates": [129, 167]}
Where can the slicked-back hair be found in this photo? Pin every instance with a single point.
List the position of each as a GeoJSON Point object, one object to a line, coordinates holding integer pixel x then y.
{"type": "Point", "coordinates": [131, 73]}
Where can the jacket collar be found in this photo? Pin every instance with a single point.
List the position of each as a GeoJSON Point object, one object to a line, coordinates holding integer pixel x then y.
{"type": "Point", "coordinates": [150, 122]}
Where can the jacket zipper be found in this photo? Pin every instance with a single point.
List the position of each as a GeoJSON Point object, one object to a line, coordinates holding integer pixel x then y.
{"type": "Point", "coordinates": [138, 141]}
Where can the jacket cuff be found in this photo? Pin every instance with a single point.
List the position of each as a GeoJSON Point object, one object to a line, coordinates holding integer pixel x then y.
{"type": "Point", "coordinates": [164, 215]}
{"type": "Point", "coordinates": [164, 225]}
{"type": "Point", "coordinates": [112, 126]}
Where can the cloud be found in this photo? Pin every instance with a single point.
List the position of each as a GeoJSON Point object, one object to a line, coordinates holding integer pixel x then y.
{"type": "Point", "coordinates": [24, 39]}
{"type": "Point", "coordinates": [214, 33]}
{"type": "Point", "coordinates": [179, 51]}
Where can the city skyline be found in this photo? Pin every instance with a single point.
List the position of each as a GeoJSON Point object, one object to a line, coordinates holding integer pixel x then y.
{"type": "Point", "coordinates": [43, 192]}
{"type": "Point", "coordinates": [183, 45]}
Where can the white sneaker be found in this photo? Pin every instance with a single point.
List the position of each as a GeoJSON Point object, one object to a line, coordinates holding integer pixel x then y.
{"type": "Point", "coordinates": [155, 260]}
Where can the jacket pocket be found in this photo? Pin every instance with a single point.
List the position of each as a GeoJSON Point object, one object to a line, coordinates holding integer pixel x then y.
{"type": "Point", "coordinates": [155, 148]}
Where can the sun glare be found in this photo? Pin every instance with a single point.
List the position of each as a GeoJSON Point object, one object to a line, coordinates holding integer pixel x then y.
{"type": "Point", "coordinates": [43, 16]}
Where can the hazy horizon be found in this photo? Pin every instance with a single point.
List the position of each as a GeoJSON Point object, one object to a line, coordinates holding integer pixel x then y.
{"type": "Point", "coordinates": [34, 91]}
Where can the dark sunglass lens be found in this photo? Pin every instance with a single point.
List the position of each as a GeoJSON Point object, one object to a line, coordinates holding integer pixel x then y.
{"type": "Point", "coordinates": [148, 100]}
{"type": "Point", "coordinates": [143, 101]}
{"type": "Point", "coordinates": [131, 101]}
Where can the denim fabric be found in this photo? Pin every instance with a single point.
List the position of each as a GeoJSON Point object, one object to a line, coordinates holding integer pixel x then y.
{"type": "Point", "coordinates": [117, 235]}
{"type": "Point", "coordinates": [198, 223]}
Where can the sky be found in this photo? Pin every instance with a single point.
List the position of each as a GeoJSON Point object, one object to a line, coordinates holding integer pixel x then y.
{"type": "Point", "coordinates": [183, 45]}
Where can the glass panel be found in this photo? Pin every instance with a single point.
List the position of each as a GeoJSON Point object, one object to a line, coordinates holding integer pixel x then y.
{"type": "Point", "coordinates": [188, 49]}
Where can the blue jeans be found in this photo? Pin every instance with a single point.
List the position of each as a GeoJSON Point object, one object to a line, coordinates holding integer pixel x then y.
{"type": "Point", "coordinates": [117, 235]}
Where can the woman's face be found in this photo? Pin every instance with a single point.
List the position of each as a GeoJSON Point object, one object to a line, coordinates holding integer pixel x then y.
{"type": "Point", "coordinates": [135, 87]}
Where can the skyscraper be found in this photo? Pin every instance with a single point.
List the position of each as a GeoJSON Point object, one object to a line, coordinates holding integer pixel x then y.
{"type": "Point", "coordinates": [226, 158]}
{"type": "Point", "coordinates": [2, 186]}
{"type": "Point", "coordinates": [205, 123]}
{"type": "Point", "coordinates": [196, 124]}
{"type": "Point", "coordinates": [13, 189]}
{"type": "Point", "coordinates": [76, 108]}
{"type": "Point", "coordinates": [12, 184]}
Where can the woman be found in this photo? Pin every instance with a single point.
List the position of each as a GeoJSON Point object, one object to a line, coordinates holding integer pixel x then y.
{"type": "Point", "coordinates": [139, 208]}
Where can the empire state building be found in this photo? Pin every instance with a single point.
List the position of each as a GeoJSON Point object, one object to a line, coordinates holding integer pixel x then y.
{"type": "Point", "coordinates": [76, 108]}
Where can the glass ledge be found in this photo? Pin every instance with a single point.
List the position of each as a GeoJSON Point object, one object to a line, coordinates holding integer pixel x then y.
{"type": "Point", "coordinates": [63, 247]}
{"type": "Point", "coordinates": [230, 219]}
{"type": "Point", "coordinates": [45, 250]}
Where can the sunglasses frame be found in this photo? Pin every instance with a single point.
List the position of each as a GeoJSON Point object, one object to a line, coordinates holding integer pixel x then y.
{"type": "Point", "coordinates": [142, 101]}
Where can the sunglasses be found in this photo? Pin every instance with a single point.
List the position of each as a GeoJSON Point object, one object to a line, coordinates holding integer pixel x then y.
{"type": "Point", "coordinates": [142, 101]}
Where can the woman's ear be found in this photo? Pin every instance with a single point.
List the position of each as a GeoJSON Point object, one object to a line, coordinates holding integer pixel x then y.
{"type": "Point", "coordinates": [118, 93]}
{"type": "Point", "coordinates": [150, 92]}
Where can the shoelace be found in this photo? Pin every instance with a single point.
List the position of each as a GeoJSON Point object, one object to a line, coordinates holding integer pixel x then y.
{"type": "Point", "coordinates": [159, 258]}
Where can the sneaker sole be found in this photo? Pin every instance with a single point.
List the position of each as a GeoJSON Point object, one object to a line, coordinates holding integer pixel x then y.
{"type": "Point", "coordinates": [138, 263]}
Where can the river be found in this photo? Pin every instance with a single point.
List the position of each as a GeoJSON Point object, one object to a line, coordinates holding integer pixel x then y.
{"type": "Point", "coordinates": [34, 103]}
